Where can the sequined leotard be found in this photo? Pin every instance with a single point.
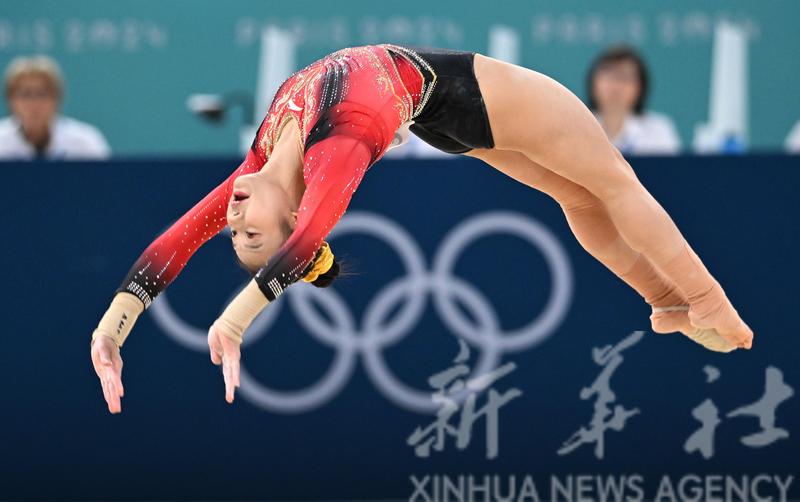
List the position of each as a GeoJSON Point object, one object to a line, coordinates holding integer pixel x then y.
{"type": "Point", "coordinates": [348, 106]}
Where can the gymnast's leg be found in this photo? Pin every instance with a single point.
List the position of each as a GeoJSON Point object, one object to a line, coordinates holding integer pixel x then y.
{"type": "Point", "coordinates": [532, 114]}
{"type": "Point", "coordinates": [592, 226]}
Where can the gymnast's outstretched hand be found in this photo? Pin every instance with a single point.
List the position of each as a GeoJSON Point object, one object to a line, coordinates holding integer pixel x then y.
{"type": "Point", "coordinates": [111, 332]}
{"type": "Point", "coordinates": [226, 334]}
{"type": "Point", "coordinates": [226, 352]}
{"type": "Point", "coordinates": [108, 366]}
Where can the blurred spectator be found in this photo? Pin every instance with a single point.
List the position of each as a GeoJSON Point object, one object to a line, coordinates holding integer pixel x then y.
{"type": "Point", "coordinates": [34, 89]}
{"type": "Point", "coordinates": [617, 85]}
{"type": "Point", "coordinates": [793, 139]}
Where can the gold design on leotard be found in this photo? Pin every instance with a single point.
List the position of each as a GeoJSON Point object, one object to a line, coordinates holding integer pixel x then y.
{"type": "Point", "coordinates": [384, 84]}
{"type": "Point", "coordinates": [312, 105]}
{"type": "Point", "coordinates": [408, 99]}
{"type": "Point", "coordinates": [402, 110]}
{"type": "Point", "coordinates": [427, 87]}
{"type": "Point", "coordinates": [390, 77]}
{"type": "Point", "coordinates": [276, 117]}
{"type": "Point", "coordinates": [305, 83]}
{"type": "Point", "coordinates": [381, 77]}
{"type": "Point", "coordinates": [290, 117]}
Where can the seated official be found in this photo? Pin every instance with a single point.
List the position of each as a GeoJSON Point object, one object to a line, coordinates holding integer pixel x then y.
{"type": "Point", "coordinates": [35, 130]}
{"type": "Point", "coordinates": [617, 87]}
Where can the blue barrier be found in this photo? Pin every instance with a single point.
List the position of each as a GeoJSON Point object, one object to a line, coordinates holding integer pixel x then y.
{"type": "Point", "coordinates": [336, 384]}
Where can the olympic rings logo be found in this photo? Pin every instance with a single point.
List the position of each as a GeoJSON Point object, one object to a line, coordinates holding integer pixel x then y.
{"type": "Point", "coordinates": [368, 338]}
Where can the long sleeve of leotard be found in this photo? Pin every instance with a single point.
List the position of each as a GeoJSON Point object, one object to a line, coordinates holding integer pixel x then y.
{"type": "Point", "coordinates": [326, 198]}
{"type": "Point", "coordinates": [357, 118]}
{"type": "Point", "coordinates": [353, 101]}
{"type": "Point", "coordinates": [165, 257]}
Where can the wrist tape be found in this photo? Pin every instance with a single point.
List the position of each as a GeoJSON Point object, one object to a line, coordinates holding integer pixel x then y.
{"type": "Point", "coordinates": [119, 319]}
{"type": "Point", "coordinates": [238, 315]}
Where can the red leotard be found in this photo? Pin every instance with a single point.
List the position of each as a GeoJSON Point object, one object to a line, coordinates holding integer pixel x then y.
{"type": "Point", "coordinates": [348, 106]}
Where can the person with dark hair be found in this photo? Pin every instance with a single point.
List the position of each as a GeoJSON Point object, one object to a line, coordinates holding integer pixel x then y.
{"type": "Point", "coordinates": [334, 119]}
{"type": "Point", "coordinates": [617, 85]}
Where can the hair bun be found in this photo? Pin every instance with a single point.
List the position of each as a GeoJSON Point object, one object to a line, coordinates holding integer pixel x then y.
{"type": "Point", "coordinates": [326, 279]}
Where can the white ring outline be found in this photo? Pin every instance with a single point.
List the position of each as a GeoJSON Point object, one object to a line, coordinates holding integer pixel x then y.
{"type": "Point", "coordinates": [351, 341]}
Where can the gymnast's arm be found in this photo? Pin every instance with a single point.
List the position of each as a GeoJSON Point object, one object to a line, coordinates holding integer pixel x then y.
{"type": "Point", "coordinates": [155, 269]}
{"type": "Point", "coordinates": [339, 163]}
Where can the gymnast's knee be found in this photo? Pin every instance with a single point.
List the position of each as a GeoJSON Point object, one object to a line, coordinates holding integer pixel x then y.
{"type": "Point", "coordinates": [576, 198]}
{"type": "Point", "coordinates": [617, 182]}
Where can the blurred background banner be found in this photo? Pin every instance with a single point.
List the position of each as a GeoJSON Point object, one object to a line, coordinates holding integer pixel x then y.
{"type": "Point", "coordinates": [132, 65]}
{"type": "Point", "coordinates": [443, 283]}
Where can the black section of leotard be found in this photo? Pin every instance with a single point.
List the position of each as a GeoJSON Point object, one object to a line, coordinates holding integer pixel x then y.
{"type": "Point", "coordinates": [454, 119]}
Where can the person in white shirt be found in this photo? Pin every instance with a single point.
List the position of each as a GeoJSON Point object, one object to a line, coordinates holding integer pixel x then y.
{"type": "Point", "coordinates": [35, 130]}
{"type": "Point", "coordinates": [793, 140]}
{"type": "Point", "coordinates": [617, 86]}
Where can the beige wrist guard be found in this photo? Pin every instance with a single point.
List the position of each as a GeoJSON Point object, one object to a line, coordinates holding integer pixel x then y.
{"type": "Point", "coordinates": [120, 317]}
{"type": "Point", "coordinates": [241, 311]}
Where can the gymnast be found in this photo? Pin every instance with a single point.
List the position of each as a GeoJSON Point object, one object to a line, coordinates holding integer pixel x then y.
{"type": "Point", "coordinates": [331, 121]}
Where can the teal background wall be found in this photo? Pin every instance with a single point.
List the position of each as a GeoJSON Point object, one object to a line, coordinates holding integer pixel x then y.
{"type": "Point", "coordinates": [130, 64]}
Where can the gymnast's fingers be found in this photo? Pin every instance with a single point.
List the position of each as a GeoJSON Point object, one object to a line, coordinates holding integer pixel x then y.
{"type": "Point", "coordinates": [214, 346]}
{"type": "Point", "coordinates": [118, 383]}
{"type": "Point", "coordinates": [114, 404]}
{"type": "Point", "coordinates": [236, 380]}
{"type": "Point", "coordinates": [116, 372]}
{"type": "Point", "coordinates": [106, 393]}
{"type": "Point", "coordinates": [227, 375]}
{"type": "Point", "coordinates": [108, 366]}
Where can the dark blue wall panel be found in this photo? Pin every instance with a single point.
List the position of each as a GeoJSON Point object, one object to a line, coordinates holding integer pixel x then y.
{"type": "Point", "coordinates": [72, 231]}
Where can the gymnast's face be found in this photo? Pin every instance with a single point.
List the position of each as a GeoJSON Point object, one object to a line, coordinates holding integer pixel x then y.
{"type": "Point", "coordinates": [617, 87]}
{"type": "Point", "coordinates": [260, 217]}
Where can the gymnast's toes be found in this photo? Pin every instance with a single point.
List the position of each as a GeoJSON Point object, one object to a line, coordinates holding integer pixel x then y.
{"type": "Point", "coordinates": [725, 321]}
{"type": "Point", "coordinates": [711, 340]}
{"type": "Point", "coordinates": [676, 319]}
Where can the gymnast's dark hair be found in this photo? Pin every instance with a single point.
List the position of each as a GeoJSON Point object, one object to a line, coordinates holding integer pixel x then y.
{"type": "Point", "coordinates": [618, 54]}
{"type": "Point", "coordinates": [326, 279]}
